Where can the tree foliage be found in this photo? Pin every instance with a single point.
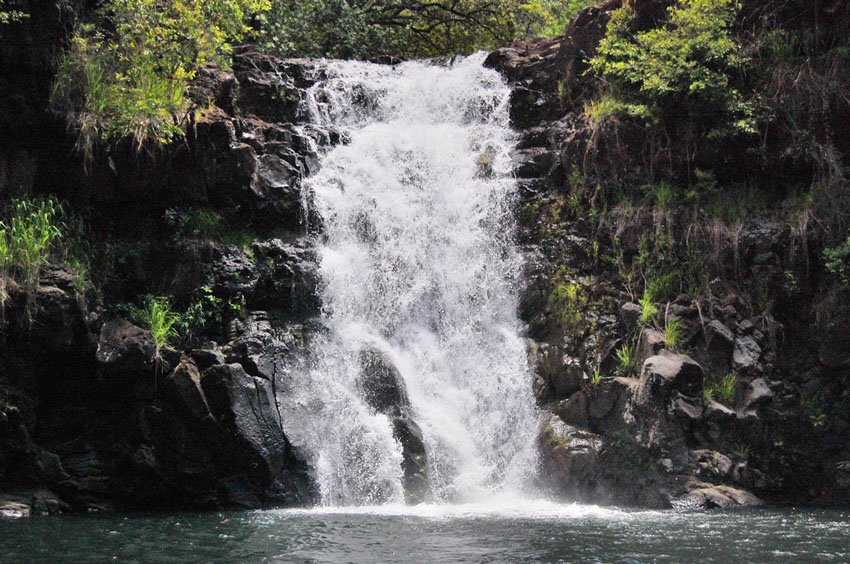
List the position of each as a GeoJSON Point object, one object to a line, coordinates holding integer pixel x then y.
{"type": "Point", "coordinates": [408, 28]}
{"type": "Point", "coordinates": [9, 15]}
{"type": "Point", "coordinates": [126, 74]}
{"type": "Point", "coordinates": [683, 65]}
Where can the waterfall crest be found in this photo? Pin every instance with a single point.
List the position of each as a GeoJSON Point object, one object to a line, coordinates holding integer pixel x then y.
{"type": "Point", "coordinates": [417, 262]}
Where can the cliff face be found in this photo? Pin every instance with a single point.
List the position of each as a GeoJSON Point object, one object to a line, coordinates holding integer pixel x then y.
{"type": "Point", "coordinates": [93, 416]}
{"type": "Point", "coordinates": [763, 315]}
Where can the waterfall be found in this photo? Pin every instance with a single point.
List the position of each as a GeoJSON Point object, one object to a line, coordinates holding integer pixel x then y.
{"type": "Point", "coordinates": [418, 262]}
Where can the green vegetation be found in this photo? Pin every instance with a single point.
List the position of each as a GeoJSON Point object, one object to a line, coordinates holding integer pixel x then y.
{"type": "Point", "coordinates": [648, 311]}
{"type": "Point", "coordinates": [627, 355]}
{"type": "Point", "coordinates": [125, 75]}
{"type": "Point", "coordinates": [197, 223]}
{"type": "Point", "coordinates": [814, 408]}
{"type": "Point", "coordinates": [208, 311]}
{"type": "Point", "coordinates": [8, 15]}
{"type": "Point", "coordinates": [838, 262]}
{"type": "Point", "coordinates": [407, 28]}
{"type": "Point", "coordinates": [28, 235]}
{"type": "Point", "coordinates": [596, 378]}
{"type": "Point", "coordinates": [724, 389]}
{"type": "Point", "coordinates": [681, 66]}
{"type": "Point", "coordinates": [673, 334]}
{"type": "Point", "coordinates": [160, 319]}
{"type": "Point", "coordinates": [569, 300]}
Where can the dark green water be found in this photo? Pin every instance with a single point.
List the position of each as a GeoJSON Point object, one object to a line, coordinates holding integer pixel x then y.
{"type": "Point", "coordinates": [533, 532]}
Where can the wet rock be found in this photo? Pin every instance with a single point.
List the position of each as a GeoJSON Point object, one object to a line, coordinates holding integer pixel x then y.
{"type": "Point", "coordinates": [383, 389]}
{"type": "Point", "coordinates": [183, 387]}
{"type": "Point", "coordinates": [415, 461]}
{"type": "Point", "coordinates": [560, 375]}
{"type": "Point", "coordinates": [834, 350]}
{"type": "Point", "coordinates": [246, 407]}
{"type": "Point", "coordinates": [207, 357]}
{"type": "Point", "coordinates": [711, 464]}
{"type": "Point", "coordinates": [124, 347]}
{"type": "Point", "coordinates": [707, 496]}
{"type": "Point", "coordinates": [380, 383]}
{"type": "Point", "coordinates": [570, 458]}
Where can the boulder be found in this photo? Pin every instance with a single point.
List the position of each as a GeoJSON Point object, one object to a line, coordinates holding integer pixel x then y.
{"type": "Point", "coordinates": [183, 388]}
{"type": "Point", "coordinates": [746, 354]}
{"type": "Point", "coordinates": [570, 458]}
{"type": "Point", "coordinates": [711, 464]}
{"type": "Point", "coordinates": [246, 408]}
{"type": "Point", "coordinates": [650, 343]}
{"type": "Point", "coordinates": [560, 375]}
{"type": "Point", "coordinates": [383, 389]}
{"type": "Point", "coordinates": [757, 394]}
{"type": "Point", "coordinates": [720, 342]}
{"type": "Point", "coordinates": [415, 460]}
{"type": "Point", "coordinates": [381, 384]}
{"type": "Point", "coordinates": [124, 347]}
{"type": "Point", "coordinates": [666, 373]}
{"type": "Point", "coordinates": [630, 313]}
{"type": "Point", "coordinates": [707, 496]}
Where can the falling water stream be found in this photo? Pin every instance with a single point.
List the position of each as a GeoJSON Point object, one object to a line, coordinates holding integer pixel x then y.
{"type": "Point", "coordinates": [417, 262]}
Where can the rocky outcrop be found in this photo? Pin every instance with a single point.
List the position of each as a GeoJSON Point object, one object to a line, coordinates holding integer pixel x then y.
{"type": "Point", "coordinates": [384, 390]}
{"type": "Point", "coordinates": [755, 403]}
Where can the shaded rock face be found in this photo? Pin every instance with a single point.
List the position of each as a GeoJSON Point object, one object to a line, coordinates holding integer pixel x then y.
{"type": "Point", "coordinates": [123, 347]}
{"type": "Point", "coordinates": [383, 389]}
{"type": "Point", "coordinates": [754, 327]}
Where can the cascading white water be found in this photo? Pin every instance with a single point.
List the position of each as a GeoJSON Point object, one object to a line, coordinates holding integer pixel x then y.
{"type": "Point", "coordinates": [418, 261]}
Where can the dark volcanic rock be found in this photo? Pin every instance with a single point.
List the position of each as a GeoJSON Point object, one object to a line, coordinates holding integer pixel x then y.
{"type": "Point", "coordinates": [384, 390]}
{"type": "Point", "coordinates": [123, 347]}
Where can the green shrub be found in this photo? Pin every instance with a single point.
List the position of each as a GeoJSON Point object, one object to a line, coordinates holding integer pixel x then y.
{"type": "Point", "coordinates": [838, 262]}
{"type": "Point", "coordinates": [208, 312]}
{"type": "Point", "coordinates": [813, 405]}
{"type": "Point", "coordinates": [596, 378]}
{"type": "Point", "coordinates": [724, 389]}
{"type": "Point", "coordinates": [688, 59]}
{"type": "Point", "coordinates": [126, 76]}
{"type": "Point", "coordinates": [568, 299]}
{"type": "Point", "coordinates": [8, 15]}
{"type": "Point", "coordinates": [664, 194]}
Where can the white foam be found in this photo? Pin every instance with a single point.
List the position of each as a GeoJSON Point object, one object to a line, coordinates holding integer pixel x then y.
{"type": "Point", "coordinates": [419, 262]}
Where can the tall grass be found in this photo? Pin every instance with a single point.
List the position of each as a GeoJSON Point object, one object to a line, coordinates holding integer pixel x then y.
{"type": "Point", "coordinates": [724, 389]}
{"type": "Point", "coordinates": [27, 238]}
{"type": "Point", "coordinates": [627, 355]}
{"type": "Point", "coordinates": [161, 320]}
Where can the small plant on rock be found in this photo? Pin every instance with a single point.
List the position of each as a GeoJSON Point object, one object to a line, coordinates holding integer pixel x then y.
{"type": "Point", "coordinates": [596, 378]}
{"type": "Point", "coordinates": [673, 334]}
{"type": "Point", "coordinates": [724, 389]}
{"type": "Point", "coordinates": [648, 311]}
{"type": "Point", "coordinates": [160, 319]}
{"type": "Point", "coordinates": [627, 356]}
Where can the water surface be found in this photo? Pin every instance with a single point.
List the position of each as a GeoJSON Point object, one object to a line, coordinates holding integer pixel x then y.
{"type": "Point", "coordinates": [533, 531]}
